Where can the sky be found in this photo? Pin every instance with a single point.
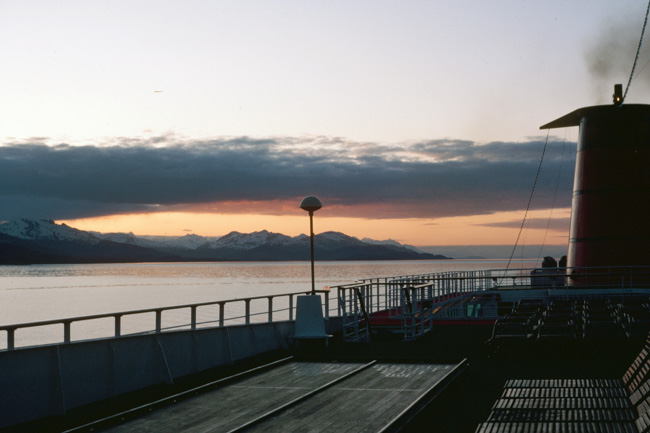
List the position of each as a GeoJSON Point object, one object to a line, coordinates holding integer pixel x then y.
{"type": "Point", "coordinates": [413, 120]}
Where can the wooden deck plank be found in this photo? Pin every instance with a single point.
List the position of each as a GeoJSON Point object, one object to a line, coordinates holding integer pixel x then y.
{"type": "Point", "coordinates": [230, 406]}
{"type": "Point", "coordinates": [365, 402]}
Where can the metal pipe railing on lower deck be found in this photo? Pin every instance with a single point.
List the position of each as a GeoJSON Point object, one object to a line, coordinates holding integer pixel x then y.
{"type": "Point", "coordinates": [441, 287]}
{"type": "Point", "coordinates": [158, 312]}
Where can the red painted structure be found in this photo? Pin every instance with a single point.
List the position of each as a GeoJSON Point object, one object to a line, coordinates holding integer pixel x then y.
{"type": "Point", "coordinates": [610, 217]}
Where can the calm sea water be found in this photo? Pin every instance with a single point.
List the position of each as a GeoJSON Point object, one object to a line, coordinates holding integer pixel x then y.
{"type": "Point", "coordinates": [45, 292]}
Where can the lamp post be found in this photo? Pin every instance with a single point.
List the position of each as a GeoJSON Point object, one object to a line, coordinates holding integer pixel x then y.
{"type": "Point", "coordinates": [311, 204]}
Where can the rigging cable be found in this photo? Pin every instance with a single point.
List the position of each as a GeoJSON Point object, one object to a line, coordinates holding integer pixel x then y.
{"type": "Point", "coordinates": [638, 50]}
{"type": "Point", "coordinates": [530, 199]}
{"type": "Point", "coordinates": [557, 184]}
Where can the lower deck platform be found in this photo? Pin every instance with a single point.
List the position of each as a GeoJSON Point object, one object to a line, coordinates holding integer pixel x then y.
{"type": "Point", "coordinates": [304, 396]}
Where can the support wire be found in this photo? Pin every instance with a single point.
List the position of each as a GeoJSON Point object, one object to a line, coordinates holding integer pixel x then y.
{"type": "Point", "coordinates": [638, 50]}
{"type": "Point", "coordinates": [530, 199]}
{"type": "Point", "coordinates": [550, 216]}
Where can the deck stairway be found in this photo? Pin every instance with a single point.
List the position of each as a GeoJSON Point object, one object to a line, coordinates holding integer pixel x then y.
{"type": "Point", "coordinates": [409, 312]}
{"type": "Point", "coordinates": [408, 304]}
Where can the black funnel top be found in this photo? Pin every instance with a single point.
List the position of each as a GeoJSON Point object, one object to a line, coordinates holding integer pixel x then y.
{"type": "Point", "coordinates": [574, 118]}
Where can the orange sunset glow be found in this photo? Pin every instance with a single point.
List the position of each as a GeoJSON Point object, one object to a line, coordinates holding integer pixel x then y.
{"type": "Point", "coordinates": [468, 230]}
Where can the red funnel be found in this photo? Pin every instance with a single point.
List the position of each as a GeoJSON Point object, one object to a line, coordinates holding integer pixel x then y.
{"type": "Point", "coordinates": [610, 216]}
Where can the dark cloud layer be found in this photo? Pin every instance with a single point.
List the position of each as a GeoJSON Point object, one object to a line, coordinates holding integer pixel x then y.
{"type": "Point", "coordinates": [424, 179]}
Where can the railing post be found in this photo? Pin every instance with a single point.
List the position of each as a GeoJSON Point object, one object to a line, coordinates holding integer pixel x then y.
{"type": "Point", "coordinates": [327, 304]}
{"type": "Point", "coordinates": [375, 289]}
{"type": "Point", "coordinates": [66, 332]}
{"type": "Point", "coordinates": [386, 290]}
{"type": "Point", "coordinates": [248, 311]}
{"type": "Point", "coordinates": [193, 318]}
{"type": "Point", "coordinates": [290, 307]}
{"type": "Point", "coordinates": [11, 338]}
{"type": "Point", "coordinates": [222, 309]}
{"type": "Point", "coordinates": [270, 309]}
{"type": "Point", "coordinates": [338, 301]}
{"type": "Point", "coordinates": [377, 297]}
{"type": "Point", "coordinates": [118, 325]}
{"type": "Point", "coordinates": [158, 321]}
{"type": "Point", "coordinates": [422, 318]}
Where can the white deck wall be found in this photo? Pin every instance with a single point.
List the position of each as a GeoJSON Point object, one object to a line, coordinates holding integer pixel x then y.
{"type": "Point", "coordinates": [50, 380]}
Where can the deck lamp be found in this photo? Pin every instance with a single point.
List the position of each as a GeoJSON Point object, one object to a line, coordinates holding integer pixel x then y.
{"type": "Point", "coordinates": [311, 204]}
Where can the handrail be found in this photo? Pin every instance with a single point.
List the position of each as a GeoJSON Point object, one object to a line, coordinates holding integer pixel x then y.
{"type": "Point", "coordinates": [355, 303]}
{"type": "Point", "coordinates": [117, 316]}
{"type": "Point", "coordinates": [379, 294]}
{"type": "Point", "coordinates": [409, 298]}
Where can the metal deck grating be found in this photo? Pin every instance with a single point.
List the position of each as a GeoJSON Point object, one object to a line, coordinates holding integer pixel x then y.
{"type": "Point", "coordinates": [367, 398]}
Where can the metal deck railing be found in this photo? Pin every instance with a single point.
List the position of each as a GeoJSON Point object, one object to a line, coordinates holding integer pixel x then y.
{"type": "Point", "coordinates": [257, 309]}
{"type": "Point", "coordinates": [406, 299]}
{"type": "Point", "coordinates": [410, 300]}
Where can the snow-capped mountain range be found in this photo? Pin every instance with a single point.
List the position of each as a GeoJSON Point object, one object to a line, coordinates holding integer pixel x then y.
{"type": "Point", "coordinates": [44, 241]}
{"type": "Point", "coordinates": [189, 242]}
{"type": "Point", "coordinates": [45, 229]}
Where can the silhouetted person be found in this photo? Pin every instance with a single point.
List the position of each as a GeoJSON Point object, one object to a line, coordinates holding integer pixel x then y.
{"type": "Point", "coordinates": [549, 262]}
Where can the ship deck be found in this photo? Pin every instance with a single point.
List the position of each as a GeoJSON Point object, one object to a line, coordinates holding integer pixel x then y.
{"type": "Point", "coordinates": [326, 396]}
{"type": "Point", "coordinates": [331, 384]}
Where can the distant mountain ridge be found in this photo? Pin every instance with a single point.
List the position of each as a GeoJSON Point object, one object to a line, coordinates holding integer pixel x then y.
{"type": "Point", "coordinates": [25, 241]}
